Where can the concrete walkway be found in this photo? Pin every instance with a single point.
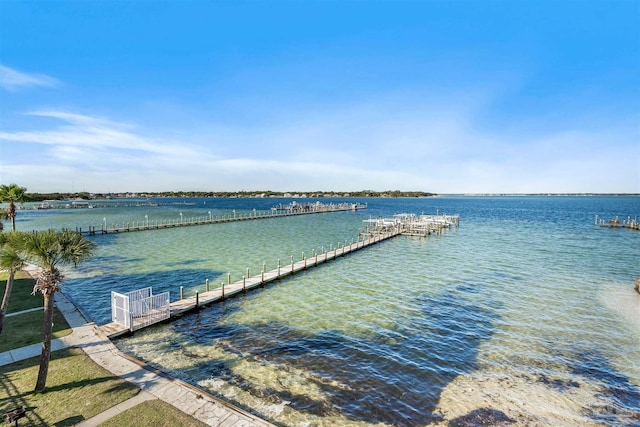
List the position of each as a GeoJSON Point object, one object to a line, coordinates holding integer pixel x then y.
{"type": "Point", "coordinates": [143, 396]}
{"type": "Point", "coordinates": [30, 310]}
{"type": "Point", "coordinates": [185, 397]}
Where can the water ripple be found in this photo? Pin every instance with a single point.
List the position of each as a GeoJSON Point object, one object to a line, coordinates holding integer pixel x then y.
{"type": "Point", "coordinates": [515, 317]}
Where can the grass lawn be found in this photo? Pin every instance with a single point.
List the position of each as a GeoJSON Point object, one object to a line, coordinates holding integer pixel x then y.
{"type": "Point", "coordinates": [26, 329]}
{"type": "Point", "coordinates": [153, 413]}
{"type": "Point", "coordinates": [19, 275]}
{"type": "Point", "coordinates": [77, 389]}
{"type": "Point", "coordinates": [21, 298]}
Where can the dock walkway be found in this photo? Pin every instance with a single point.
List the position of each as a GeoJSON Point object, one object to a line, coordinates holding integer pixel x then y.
{"type": "Point", "coordinates": [154, 384]}
{"type": "Point", "coordinates": [247, 283]}
{"type": "Point", "coordinates": [148, 309]}
{"type": "Point", "coordinates": [629, 223]}
{"type": "Point", "coordinates": [276, 212]}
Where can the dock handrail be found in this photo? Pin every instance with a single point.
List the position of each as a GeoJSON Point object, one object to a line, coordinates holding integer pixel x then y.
{"type": "Point", "coordinates": [275, 212]}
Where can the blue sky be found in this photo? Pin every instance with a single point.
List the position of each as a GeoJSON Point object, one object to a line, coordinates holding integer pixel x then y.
{"type": "Point", "coordinates": [439, 96]}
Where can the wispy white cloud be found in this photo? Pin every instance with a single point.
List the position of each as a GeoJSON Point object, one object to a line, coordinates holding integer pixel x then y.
{"type": "Point", "coordinates": [86, 132]}
{"type": "Point", "coordinates": [13, 80]}
{"type": "Point", "coordinates": [443, 151]}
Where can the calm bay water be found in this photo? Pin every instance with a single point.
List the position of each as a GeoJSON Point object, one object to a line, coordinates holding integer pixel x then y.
{"type": "Point", "coordinates": [525, 314]}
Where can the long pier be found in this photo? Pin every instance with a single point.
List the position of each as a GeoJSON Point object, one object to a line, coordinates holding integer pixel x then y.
{"type": "Point", "coordinates": [276, 212]}
{"type": "Point", "coordinates": [139, 309]}
{"type": "Point", "coordinates": [248, 282]}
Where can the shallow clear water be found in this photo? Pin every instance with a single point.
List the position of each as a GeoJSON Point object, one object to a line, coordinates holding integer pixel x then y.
{"type": "Point", "coordinates": [526, 309]}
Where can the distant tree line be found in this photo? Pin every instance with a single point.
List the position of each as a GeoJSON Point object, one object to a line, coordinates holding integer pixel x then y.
{"type": "Point", "coordinates": [38, 197]}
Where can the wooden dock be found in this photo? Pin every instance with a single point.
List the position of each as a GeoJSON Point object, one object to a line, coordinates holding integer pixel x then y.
{"type": "Point", "coordinates": [375, 231]}
{"type": "Point", "coordinates": [409, 224]}
{"type": "Point", "coordinates": [247, 283]}
{"type": "Point", "coordinates": [629, 223]}
{"type": "Point", "coordinates": [276, 212]}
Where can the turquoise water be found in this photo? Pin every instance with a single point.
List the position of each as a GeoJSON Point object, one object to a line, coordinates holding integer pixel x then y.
{"type": "Point", "coordinates": [525, 314]}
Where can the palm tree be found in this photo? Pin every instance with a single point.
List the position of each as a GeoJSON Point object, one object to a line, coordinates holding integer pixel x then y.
{"type": "Point", "coordinates": [50, 249]}
{"type": "Point", "coordinates": [11, 260]}
{"type": "Point", "coordinates": [13, 194]}
{"type": "Point", "coordinates": [3, 216]}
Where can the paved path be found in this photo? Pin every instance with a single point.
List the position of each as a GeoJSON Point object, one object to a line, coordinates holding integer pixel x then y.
{"type": "Point", "coordinates": [187, 398]}
{"type": "Point", "coordinates": [24, 311]}
{"type": "Point", "coordinates": [143, 396]}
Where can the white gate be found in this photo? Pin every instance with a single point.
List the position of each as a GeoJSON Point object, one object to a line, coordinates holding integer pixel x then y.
{"type": "Point", "coordinates": [120, 309]}
{"type": "Point", "coordinates": [139, 308]}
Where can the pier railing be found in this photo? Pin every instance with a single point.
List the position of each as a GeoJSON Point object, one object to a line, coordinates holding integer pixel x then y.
{"type": "Point", "coordinates": [138, 309]}
{"type": "Point", "coordinates": [630, 223]}
{"type": "Point", "coordinates": [275, 212]}
{"type": "Point", "coordinates": [381, 230]}
{"type": "Point", "coordinates": [229, 288]}
{"type": "Point", "coordinates": [125, 322]}
{"type": "Point", "coordinates": [410, 224]}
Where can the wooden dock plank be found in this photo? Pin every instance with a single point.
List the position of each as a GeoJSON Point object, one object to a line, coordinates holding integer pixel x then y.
{"type": "Point", "coordinates": [228, 290]}
{"type": "Point", "coordinates": [113, 329]}
{"type": "Point", "coordinates": [187, 304]}
{"type": "Point", "coordinates": [378, 231]}
{"type": "Point", "coordinates": [148, 226]}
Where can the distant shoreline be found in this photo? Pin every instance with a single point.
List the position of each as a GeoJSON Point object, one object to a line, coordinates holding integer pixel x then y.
{"type": "Point", "coordinates": [40, 197]}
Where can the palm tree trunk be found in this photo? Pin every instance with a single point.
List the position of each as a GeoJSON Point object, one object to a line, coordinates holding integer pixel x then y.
{"type": "Point", "coordinates": [5, 299]}
{"type": "Point", "coordinates": [12, 216]}
{"type": "Point", "coordinates": [45, 356]}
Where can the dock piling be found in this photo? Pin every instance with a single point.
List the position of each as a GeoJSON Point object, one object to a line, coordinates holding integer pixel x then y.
{"type": "Point", "coordinates": [379, 230]}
